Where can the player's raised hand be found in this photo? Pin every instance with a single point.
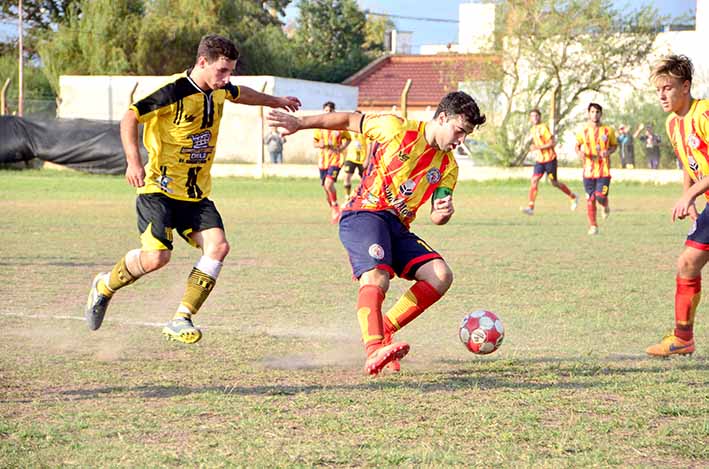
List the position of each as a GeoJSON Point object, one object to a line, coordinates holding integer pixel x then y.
{"type": "Point", "coordinates": [135, 175]}
{"type": "Point", "coordinates": [444, 205]}
{"type": "Point", "coordinates": [290, 103]}
{"type": "Point", "coordinates": [288, 122]}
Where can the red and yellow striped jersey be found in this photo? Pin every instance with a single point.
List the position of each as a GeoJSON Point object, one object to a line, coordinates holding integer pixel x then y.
{"type": "Point", "coordinates": [357, 149]}
{"type": "Point", "coordinates": [541, 135]}
{"type": "Point", "coordinates": [593, 141]}
{"type": "Point", "coordinates": [404, 171]}
{"type": "Point", "coordinates": [333, 139]}
{"type": "Point", "coordinates": [181, 127]}
{"type": "Point", "coordinates": [689, 136]}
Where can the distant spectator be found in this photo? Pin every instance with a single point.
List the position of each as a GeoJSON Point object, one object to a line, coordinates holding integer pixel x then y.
{"type": "Point", "coordinates": [627, 150]}
{"type": "Point", "coordinates": [274, 141]}
{"type": "Point", "coordinates": [652, 145]}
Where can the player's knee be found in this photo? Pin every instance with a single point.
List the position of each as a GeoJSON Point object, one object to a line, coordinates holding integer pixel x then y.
{"type": "Point", "coordinates": [439, 275]}
{"type": "Point", "coordinates": [154, 260]}
{"type": "Point", "coordinates": [376, 277]}
{"type": "Point", "coordinates": [218, 251]}
{"type": "Point", "coordinates": [602, 199]}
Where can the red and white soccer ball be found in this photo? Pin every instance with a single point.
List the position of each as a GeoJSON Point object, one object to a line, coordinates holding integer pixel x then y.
{"type": "Point", "coordinates": [481, 332]}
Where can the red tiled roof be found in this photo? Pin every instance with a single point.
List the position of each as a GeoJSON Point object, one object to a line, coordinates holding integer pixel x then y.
{"type": "Point", "coordinates": [381, 82]}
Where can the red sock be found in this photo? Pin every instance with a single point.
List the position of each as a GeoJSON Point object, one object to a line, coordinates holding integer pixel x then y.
{"type": "Point", "coordinates": [420, 296]}
{"type": "Point", "coordinates": [564, 188]}
{"type": "Point", "coordinates": [687, 296]}
{"type": "Point", "coordinates": [591, 211]}
{"type": "Point", "coordinates": [369, 315]}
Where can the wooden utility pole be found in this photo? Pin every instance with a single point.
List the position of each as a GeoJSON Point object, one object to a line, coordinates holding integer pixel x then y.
{"type": "Point", "coordinates": [20, 83]}
{"type": "Point", "coordinates": [405, 97]}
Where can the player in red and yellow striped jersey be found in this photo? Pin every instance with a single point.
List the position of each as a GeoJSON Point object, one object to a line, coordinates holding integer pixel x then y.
{"type": "Point", "coordinates": [542, 145]}
{"type": "Point", "coordinates": [594, 145]}
{"type": "Point", "coordinates": [688, 130]}
{"type": "Point", "coordinates": [181, 125]}
{"type": "Point", "coordinates": [413, 164]}
{"type": "Point", "coordinates": [332, 144]}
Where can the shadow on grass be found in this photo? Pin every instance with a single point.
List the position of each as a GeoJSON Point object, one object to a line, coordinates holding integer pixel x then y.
{"type": "Point", "coordinates": [521, 374]}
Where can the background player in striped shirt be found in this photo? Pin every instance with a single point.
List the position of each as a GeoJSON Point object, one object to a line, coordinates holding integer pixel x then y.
{"type": "Point", "coordinates": [594, 145]}
{"type": "Point", "coordinates": [413, 164]}
{"type": "Point", "coordinates": [542, 145]}
{"type": "Point", "coordinates": [181, 126]}
{"type": "Point", "coordinates": [688, 129]}
{"type": "Point", "coordinates": [357, 152]}
{"type": "Point", "coordinates": [331, 143]}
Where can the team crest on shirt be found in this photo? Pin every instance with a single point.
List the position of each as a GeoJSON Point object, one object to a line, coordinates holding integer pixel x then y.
{"type": "Point", "coordinates": [376, 252]}
{"type": "Point", "coordinates": [693, 141]}
{"type": "Point", "coordinates": [200, 150]}
{"type": "Point", "coordinates": [407, 188]}
{"type": "Point", "coordinates": [604, 138]}
{"type": "Point", "coordinates": [433, 175]}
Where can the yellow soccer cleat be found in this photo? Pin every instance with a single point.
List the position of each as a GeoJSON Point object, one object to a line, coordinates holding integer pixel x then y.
{"type": "Point", "coordinates": [671, 345]}
{"type": "Point", "coordinates": [182, 330]}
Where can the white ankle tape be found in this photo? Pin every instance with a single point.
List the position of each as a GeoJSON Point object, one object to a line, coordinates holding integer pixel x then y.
{"type": "Point", "coordinates": [209, 266]}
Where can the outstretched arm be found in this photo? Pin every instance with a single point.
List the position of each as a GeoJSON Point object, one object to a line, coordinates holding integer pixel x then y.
{"type": "Point", "coordinates": [331, 120]}
{"type": "Point", "coordinates": [256, 98]}
{"type": "Point", "coordinates": [135, 173]}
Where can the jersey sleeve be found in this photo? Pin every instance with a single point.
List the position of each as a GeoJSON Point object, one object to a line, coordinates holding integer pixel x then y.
{"type": "Point", "coordinates": [381, 127]}
{"type": "Point", "coordinates": [233, 92]}
{"type": "Point", "coordinates": [702, 120]}
{"type": "Point", "coordinates": [156, 103]}
{"type": "Point", "coordinates": [612, 140]}
{"type": "Point", "coordinates": [580, 138]}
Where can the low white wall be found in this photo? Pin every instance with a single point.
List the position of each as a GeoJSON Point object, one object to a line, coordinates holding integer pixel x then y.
{"type": "Point", "coordinates": [241, 129]}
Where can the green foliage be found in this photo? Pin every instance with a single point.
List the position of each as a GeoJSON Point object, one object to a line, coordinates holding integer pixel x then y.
{"type": "Point", "coordinates": [555, 51]}
{"type": "Point", "coordinates": [97, 41]}
{"type": "Point", "coordinates": [38, 96]}
{"type": "Point", "coordinates": [329, 39]}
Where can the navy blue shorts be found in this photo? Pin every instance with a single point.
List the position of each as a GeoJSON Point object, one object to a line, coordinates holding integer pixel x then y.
{"type": "Point", "coordinates": [698, 236]}
{"type": "Point", "coordinates": [378, 240]}
{"type": "Point", "coordinates": [331, 172]}
{"type": "Point", "coordinates": [596, 185]}
{"type": "Point", "coordinates": [549, 167]}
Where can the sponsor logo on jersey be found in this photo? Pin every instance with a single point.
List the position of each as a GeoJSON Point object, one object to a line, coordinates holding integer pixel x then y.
{"type": "Point", "coordinates": [200, 150]}
{"type": "Point", "coordinates": [433, 175]}
{"type": "Point", "coordinates": [376, 251]}
{"type": "Point", "coordinates": [693, 165]}
{"type": "Point", "coordinates": [164, 183]}
{"type": "Point", "coordinates": [403, 157]}
{"type": "Point", "coordinates": [397, 203]}
{"type": "Point", "coordinates": [407, 188]}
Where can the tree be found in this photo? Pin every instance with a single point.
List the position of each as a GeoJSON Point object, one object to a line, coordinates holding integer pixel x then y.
{"type": "Point", "coordinates": [554, 51]}
{"type": "Point", "coordinates": [329, 40]}
{"type": "Point", "coordinates": [376, 29]}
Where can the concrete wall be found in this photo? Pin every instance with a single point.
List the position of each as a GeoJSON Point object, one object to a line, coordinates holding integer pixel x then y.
{"type": "Point", "coordinates": [241, 131]}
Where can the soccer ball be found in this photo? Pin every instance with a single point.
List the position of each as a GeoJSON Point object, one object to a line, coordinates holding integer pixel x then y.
{"type": "Point", "coordinates": [481, 332]}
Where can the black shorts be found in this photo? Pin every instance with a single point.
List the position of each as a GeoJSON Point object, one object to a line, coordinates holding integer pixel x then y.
{"type": "Point", "coordinates": [549, 167]}
{"type": "Point", "coordinates": [330, 172]}
{"type": "Point", "coordinates": [159, 214]}
{"type": "Point", "coordinates": [350, 167]}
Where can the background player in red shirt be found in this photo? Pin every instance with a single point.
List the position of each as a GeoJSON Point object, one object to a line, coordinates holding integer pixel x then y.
{"type": "Point", "coordinates": [688, 130]}
{"type": "Point", "coordinates": [542, 145]}
{"type": "Point", "coordinates": [413, 163]}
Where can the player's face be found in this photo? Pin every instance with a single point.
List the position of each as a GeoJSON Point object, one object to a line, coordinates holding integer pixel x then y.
{"type": "Point", "coordinates": [673, 93]}
{"type": "Point", "coordinates": [217, 73]}
{"type": "Point", "coordinates": [328, 109]}
{"type": "Point", "coordinates": [594, 115]}
{"type": "Point", "coordinates": [534, 118]}
{"type": "Point", "coordinates": [452, 131]}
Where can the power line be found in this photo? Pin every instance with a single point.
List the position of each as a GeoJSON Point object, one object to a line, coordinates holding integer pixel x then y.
{"type": "Point", "coordinates": [415, 18]}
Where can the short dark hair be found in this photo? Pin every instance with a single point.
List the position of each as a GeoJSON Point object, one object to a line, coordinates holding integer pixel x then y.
{"type": "Point", "coordinates": [213, 46]}
{"type": "Point", "coordinates": [329, 104]}
{"type": "Point", "coordinates": [539, 113]}
{"type": "Point", "coordinates": [459, 103]}
{"type": "Point", "coordinates": [597, 106]}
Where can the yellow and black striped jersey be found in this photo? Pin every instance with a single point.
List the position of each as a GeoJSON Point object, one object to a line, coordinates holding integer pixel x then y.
{"type": "Point", "coordinates": [181, 126]}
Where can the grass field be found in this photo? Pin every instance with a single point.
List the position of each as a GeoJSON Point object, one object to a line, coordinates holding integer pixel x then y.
{"type": "Point", "coordinates": [277, 379]}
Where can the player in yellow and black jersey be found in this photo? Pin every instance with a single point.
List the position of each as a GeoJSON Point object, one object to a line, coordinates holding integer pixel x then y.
{"type": "Point", "coordinates": [181, 121]}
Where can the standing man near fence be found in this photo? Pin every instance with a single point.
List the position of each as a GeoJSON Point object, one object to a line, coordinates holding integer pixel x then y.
{"type": "Point", "coordinates": [181, 125]}
{"type": "Point", "coordinates": [413, 164]}
{"type": "Point", "coordinates": [542, 146]}
{"type": "Point", "coordinates": [688, 129]}
{"type": "Point", "coordinates": [594, 146]}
